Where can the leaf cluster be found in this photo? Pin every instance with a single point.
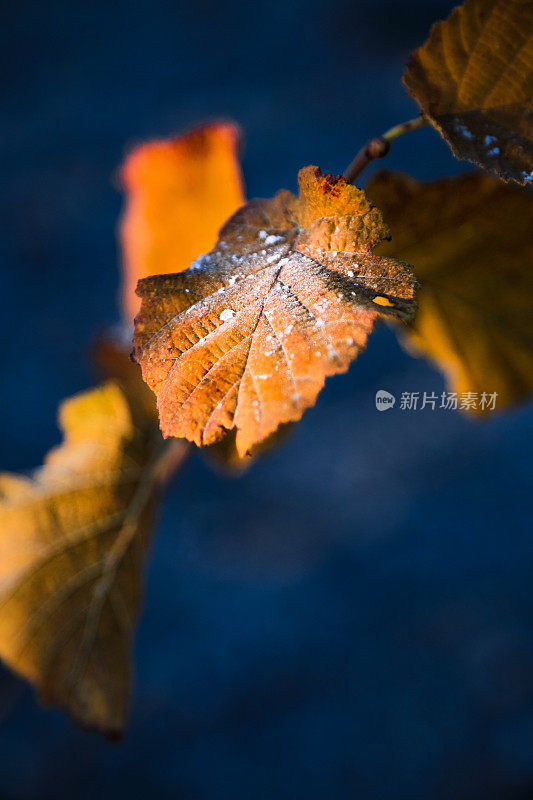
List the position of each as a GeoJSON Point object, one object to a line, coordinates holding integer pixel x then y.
{"type": "Point", "coordinates": [237, 330]}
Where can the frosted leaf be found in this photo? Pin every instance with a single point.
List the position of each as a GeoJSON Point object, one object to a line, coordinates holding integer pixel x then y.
{"type": "Point", "coordinates": [301, 310]}
{"type": "Point", "coordinates": [473, 80]}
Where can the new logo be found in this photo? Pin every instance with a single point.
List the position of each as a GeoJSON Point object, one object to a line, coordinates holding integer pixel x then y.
{"type": "Point", "coordinates": [384, 400]}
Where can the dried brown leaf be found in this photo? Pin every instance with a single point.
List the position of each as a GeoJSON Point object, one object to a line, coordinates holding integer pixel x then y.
{"type": "Point", "coordinates": [469, 239]}
{"type": "Point", "coordinates": [473, 79]}
{"type": "Point", "coordinates": [245, 338]}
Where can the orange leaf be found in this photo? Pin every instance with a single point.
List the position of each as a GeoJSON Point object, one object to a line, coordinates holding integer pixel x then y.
{"type": "Point", "coordinates": [469, 239]}
{"type": "Point", "coordinates": [246, 337]}
{"type": "Point", "coordinates": [179, 193]}
{"type": "Point", "coordinates": [473, 79]}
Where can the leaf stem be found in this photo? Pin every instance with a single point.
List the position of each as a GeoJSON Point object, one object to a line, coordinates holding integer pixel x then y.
{"type": "Point", "coordinates": [379, 147]}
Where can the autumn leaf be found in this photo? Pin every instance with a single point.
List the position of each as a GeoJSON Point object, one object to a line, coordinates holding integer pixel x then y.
{"type": "Point", "coordinates": [179, 192]}
{"type": "Point", "coordinates": [473, 79]}
{"type": "Point", "coordinates": [72, 544]}
{"type": "Point", "coordinates": [469, 239]}
{"type": "Point", "coordinates": [245, 338]}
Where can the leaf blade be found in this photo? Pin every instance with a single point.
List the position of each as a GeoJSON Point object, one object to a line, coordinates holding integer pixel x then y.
{"type": "Point", "coordinates": [469, 240]}
{"type": "Point", "coordinates": [72, 546]}
{"type": "Point", "coordinates": [473, 79]}
{"type": "Point", "coordinates": [246, 337]}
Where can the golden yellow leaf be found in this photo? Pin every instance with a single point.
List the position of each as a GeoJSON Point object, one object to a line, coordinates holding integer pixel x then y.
{"type": "Point", "coordinates": [72, 543]}
{"type": "Point", "coordinates": [469, 239]}
{"type": "Point", "coordinates": [245, 338]}
{"type": "Point", "coordinates": [473, 79]}
{"type": "Point", "coordinates": [179, 192]}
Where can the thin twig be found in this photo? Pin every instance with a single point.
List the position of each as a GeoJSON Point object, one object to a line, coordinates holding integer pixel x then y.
{"type": "Point", "coordinates": [379, 147]}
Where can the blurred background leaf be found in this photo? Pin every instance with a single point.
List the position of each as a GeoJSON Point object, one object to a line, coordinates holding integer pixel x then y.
{"type": "Point", "coordinates": [179, 192]}
{"type": "Point", "coordinates": [469, 241]}
{"type": "Point", "coordinates": [72, 546]}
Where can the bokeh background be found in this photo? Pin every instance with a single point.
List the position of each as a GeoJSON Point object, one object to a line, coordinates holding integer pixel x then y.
{"type": "Point", "coordinates": [353, 616]}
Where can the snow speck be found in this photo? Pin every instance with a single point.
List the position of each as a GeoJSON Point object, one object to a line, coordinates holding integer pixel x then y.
{"type": "Point", "coordinates": [283, 262]}
{"type": "Point", "coordinates": [226, 315]}
{"type": "Point", "coordinates": [200, 262]}
{"type": "Point", "coordinates": [350, 273]}
{"type": "Point", "coordinates": [262, 234]}
{"type": "Point", "coordinates": [463, 130]}
{"type": "Point", "coordinates": [272, 239]}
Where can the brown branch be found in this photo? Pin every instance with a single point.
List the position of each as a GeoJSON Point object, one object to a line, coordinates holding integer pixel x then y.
{"type": "Point", "coordinates": [379, 147]}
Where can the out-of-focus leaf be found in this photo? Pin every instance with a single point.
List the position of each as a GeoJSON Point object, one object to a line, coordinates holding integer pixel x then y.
{"type": "Point", "coordinates": [473, 79]}
{"type": "Point", "coordinates": [246, 337]}
{"type": "Point", "coordinates": [179, 192]}
{"type": "Point", "coordinates": [469, 240]}
{"type": "Point", "coordinates": [72, 543]}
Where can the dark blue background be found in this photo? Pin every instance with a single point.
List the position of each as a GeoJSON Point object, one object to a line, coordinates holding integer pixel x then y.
{"type": "Point", "coordinates": [353, 617]}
